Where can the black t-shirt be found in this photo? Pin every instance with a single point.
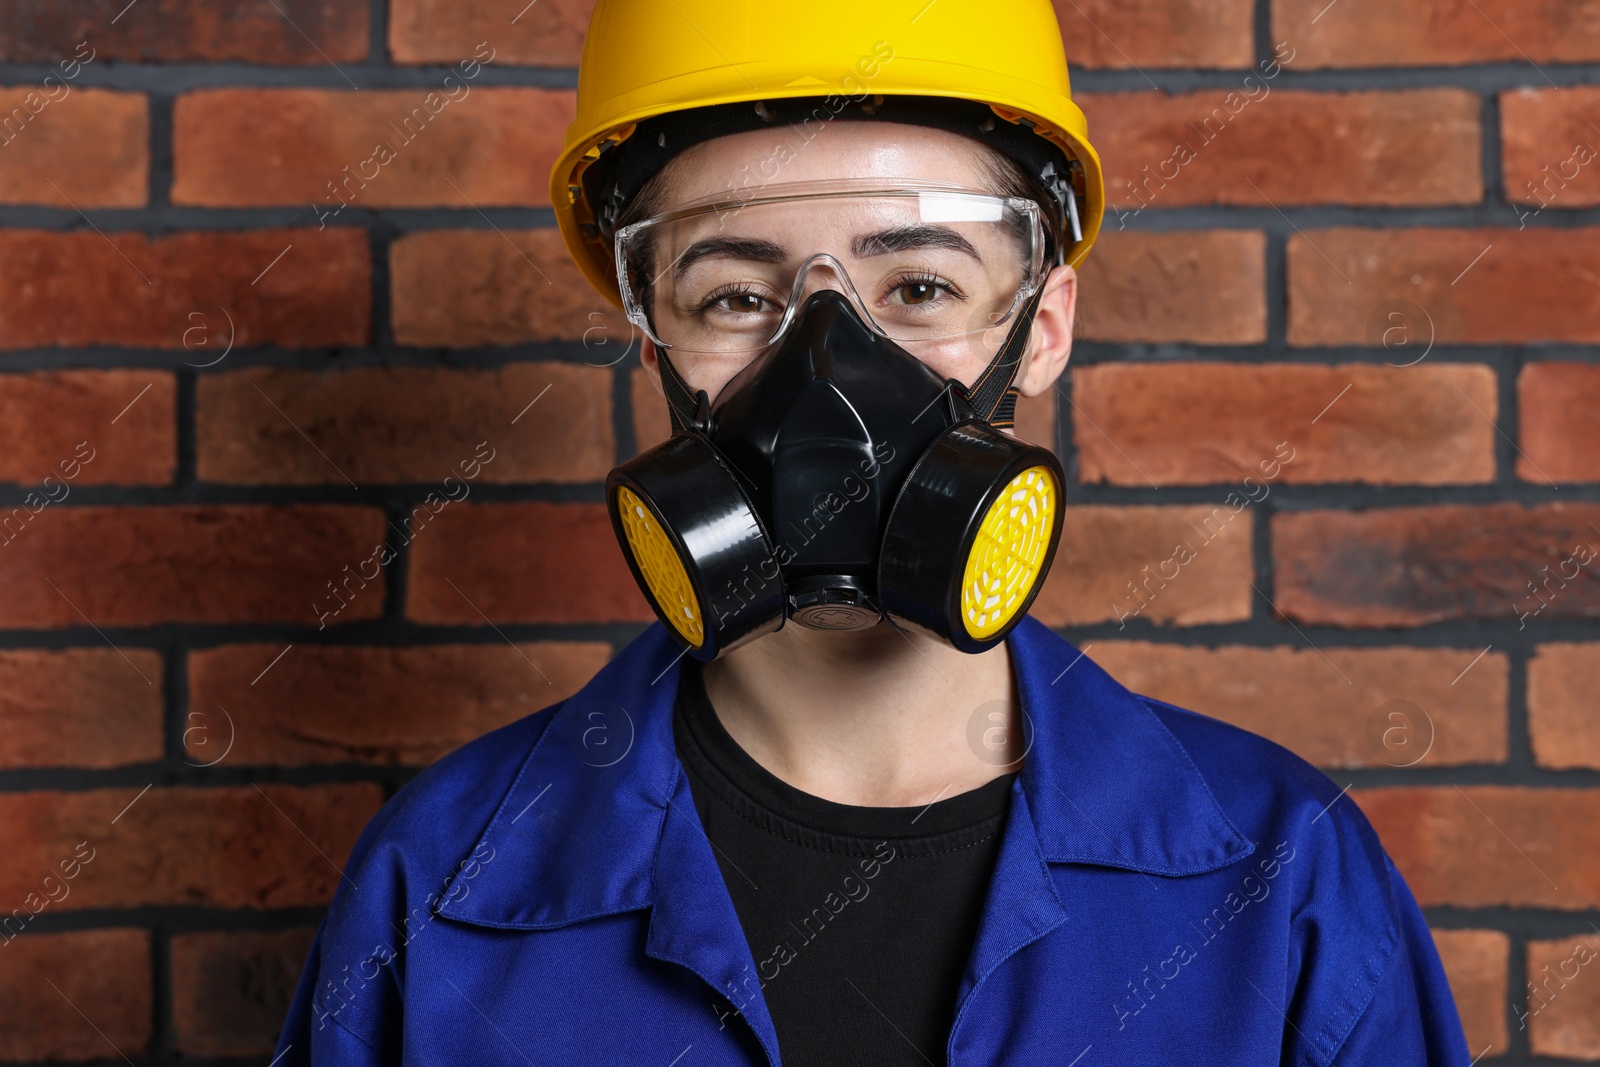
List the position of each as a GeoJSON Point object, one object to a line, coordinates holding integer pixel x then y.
{"type": "Point", "coordinates": [860, 919]}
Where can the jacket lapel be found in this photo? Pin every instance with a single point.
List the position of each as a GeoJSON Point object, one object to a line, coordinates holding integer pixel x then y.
{"type": "Point", "coordinates": [1106, 781]}
{"type": "Point", "coordinates": [693, 922]}
{"type": "Point", "coordinates": [1103, 782]}
{"type": "Point", "coordinates": [600, 820]}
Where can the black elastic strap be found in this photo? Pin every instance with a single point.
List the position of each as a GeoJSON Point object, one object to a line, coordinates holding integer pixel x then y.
{"type": "Point", "coordinates": [682, 406]}
{"type": "Point", "coordinates": [992, 395]}
{"type": "Point", "coordinates": [1005, 413]}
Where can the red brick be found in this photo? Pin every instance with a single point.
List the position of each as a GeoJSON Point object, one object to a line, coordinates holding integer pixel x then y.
{"type": "Point", "coordinates": [1475, 961]}
{"type": "Point", "coordinates": [1100, 575]}
{"type": "Point", "coordinates": [231, 991]}
{"type": "Point", "coordinates": [1204, 288]}
{"type": "Point", "coordinates": [101, 996]}
{"type": "Point", "coordinates": [548, 33]}
{"type": "Point", "coordinates": [1222, 146]}
{"type": "Point", "coordinates": [1563, 678]}
{"type": "Point", "coordinates": [466, 288]}
{"type": "Point", "coordinates": [1492, 846]}
{"type": "Point", "coordinates": [1185, 423]}
{"type": "Point", "coordinates": [129, 566]}
{"type": "Point", "coordinates": [1036, 419]}
{"type": "Point", "coordinates": [336, 704]}
{"type": "Point", "coordinates": [1563, 1001]}
{"type": "Point", "coordinates": [250, 147]}
{"type": "Point", "coordinates": [1337, 707]}
{"type": "Point", "coordinates": [1412, 566]}
{"type": "Point", "coordinates": [532, 563]}
{"type": "Point", "coordinates": [180, 292]}
{"type": "Point", "coordinates": [1558, 420]}
{"type": "Point", "coordinates": [88, 427]}
{"type": "Point", "coordinates": [81, 707]}
{"type": "Point", "coordinates": [1156, 33]}
{"type": "Point", "coordinates": [406, 424]}
{"type": "Point", "coordinates": [1520, 290]}
{"type": "Point", "coordinates": [308, 33]}
{"type": "Point", "coordinates": [1550, 146]}
{"type": "Point", "coordinates": [93, 144]}
{"type": "Point", "coordinates": [234, 847]}
{"type": "Point", "coordinates": [1376, 33]}
{"type": "Point", "coordinates": [651, 424]}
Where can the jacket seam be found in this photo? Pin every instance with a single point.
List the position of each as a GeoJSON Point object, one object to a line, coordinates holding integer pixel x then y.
{"type": "Point", "coordinates": [661, 832]}
{"type": "Point", "coordinates": [1354, 1005]}
{"type": "Point", "coordinates": [1373, 976]}
{"type": "Point", "coordinates": [341, 1024]}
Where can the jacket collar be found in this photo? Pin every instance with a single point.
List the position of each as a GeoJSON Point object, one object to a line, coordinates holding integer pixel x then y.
{"type": "Point", "coordinates": [1105, 783]}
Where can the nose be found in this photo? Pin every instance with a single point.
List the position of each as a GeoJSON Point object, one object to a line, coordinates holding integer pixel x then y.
{"type": "Point", "coordinates": [823, 272]}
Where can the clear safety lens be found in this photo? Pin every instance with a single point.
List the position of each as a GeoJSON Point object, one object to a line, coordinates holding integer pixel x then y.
{"type": "Point", "coordinates": [922, 265]}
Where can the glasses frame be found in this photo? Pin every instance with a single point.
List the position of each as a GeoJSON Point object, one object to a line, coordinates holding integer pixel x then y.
{"type": "Point", "coordinates": [828, 190]}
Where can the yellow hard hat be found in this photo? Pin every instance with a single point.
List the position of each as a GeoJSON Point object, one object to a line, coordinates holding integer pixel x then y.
{"type": "Point", "coordinates": [647, 60]}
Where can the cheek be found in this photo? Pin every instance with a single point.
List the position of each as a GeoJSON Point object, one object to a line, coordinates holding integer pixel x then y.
{"type": "Point", "coordinates": [704, 370]}
{"type": "Point", "coordinates": [960, 364]}
{"type": "Point", "coordinates": [698, 370]}
{"type": "Point", "coordinates": [965, 358]}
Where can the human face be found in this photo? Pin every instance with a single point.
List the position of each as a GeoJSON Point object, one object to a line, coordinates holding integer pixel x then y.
{"type": "Point", "coordinates": [762, 163]}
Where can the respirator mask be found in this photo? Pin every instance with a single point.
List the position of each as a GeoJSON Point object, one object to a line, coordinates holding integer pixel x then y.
{"type": "Point", "coordinates": [838, 480]}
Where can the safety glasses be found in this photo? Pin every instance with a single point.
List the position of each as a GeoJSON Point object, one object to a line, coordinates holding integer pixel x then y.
{"type": "Point", "coordinates": [925, 264]}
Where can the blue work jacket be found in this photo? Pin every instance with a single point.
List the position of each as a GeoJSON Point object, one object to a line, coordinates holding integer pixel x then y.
{"type": "Point", "coordinates": [1169, 890]}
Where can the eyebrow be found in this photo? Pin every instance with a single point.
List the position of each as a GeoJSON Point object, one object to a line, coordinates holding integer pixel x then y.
{"type": "Point", "coordinates": [903, 237]}
{"type": "Point", "coordinates": [732, 247]}
{"type": "Point", "coordinates": [876, 243]}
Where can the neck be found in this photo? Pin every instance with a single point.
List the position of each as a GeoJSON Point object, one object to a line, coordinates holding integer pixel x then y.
{"type": "Point", "coordinates": [879, 717]}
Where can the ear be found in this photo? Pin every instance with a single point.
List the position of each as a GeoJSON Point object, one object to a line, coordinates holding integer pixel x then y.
{"type": "Point", "coordinates": [1050, 343]}
{"type": "Point", "coordinates": [650, 358]}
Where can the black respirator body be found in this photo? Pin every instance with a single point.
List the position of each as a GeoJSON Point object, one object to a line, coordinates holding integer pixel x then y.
{"type": "Point", "coordinates": [839, 482]}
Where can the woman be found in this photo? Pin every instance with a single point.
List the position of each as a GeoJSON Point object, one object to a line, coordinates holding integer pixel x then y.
{"type": "Point", "coordinates": [846, 803]}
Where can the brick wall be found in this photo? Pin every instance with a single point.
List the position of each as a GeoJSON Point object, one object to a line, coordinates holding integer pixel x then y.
{"type": "Point", "coordinates": [1354, 253]}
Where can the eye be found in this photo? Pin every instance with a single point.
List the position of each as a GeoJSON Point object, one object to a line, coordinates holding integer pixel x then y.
{"type": "Point", "coordinates": [921, 290]}
{"type": "Point", "coordinates": [742, 302]}
{"type": "Point", "coordinates": [736, 300]}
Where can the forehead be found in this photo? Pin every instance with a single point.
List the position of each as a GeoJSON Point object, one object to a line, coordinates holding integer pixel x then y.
{"type": "Point", "coordinates": [763, 160]}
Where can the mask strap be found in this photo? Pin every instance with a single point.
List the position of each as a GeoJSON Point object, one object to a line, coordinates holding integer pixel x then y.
{"type": "Point", "coordinates": [1005, 412]}
{"type": "Point", "coordinates": [993, 396]}
{"type": "Point", "coordinates": [682, 407]}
